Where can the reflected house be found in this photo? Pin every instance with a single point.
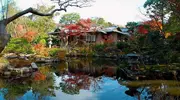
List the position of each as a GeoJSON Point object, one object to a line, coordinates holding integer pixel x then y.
{"type": "Point", "coordinates": [92, 69]}
{"type": "Point", "coordinates": [112, 34]}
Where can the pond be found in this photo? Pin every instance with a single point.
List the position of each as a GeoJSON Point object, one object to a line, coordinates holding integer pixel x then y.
{"type": "Point", "coordinates": [84, 79]}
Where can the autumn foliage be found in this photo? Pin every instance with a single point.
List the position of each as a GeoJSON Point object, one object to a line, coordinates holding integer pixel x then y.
{"type": "Point", "coordinates": [153, 25]}
{"type": "Point", "coordinates": [24, 32]}
{"type": "Point", "coordinates": [40, 49]}
{"type": "Point", "coordinates": [142, 29]}
{"type": "Point", "coordinates": [29, 36]}
{"type": "Point", "coordinates": [150, 25]}
{"type": "Point", "coordinates": [79, 28]}
{"type": "Point", "coordinates": [38, 76]}
{"type": "Point", "coordinates": [80, 80]}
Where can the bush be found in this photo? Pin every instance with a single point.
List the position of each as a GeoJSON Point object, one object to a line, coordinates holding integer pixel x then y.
{"type": "Point", "coordinates": [19, 45]}
{"type": "Point", "coordinates": [122, 45]}
{"type": "Point", "coordinates": [99, 47]}
{"type": "Point", "coordinates": [43, 41]}
{"type": "Point", "coordinates": [41, 50]}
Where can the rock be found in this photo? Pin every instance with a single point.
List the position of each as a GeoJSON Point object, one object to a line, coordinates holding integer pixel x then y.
{"type": "Point", "coordinates": [22, 55]}
{"type": "Point", "coordinates": [10, 55]}
{"type": "Point", "coordinates": [34, 66]}
{"type": "Point", "coordinates": [7, 73]}
{"type": "Point", "coordinates": [10, 69]}
{"type": "Point", "coordinates": [26, 70]}
{"type": "Point", "coordinates": [30, 55]}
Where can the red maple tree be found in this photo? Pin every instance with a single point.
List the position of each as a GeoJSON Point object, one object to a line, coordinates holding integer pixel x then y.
{"type": "Point", "coordinates": [150, 25]}
{"type": "Point", "coordinates": [142, 29]}
{"type": "Point", "coordinates": [153, 25]}
{"type": "Point", "coordinates": [79, 28]}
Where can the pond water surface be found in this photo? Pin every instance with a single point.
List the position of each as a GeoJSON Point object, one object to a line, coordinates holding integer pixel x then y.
{"type": "Point", "coordinates": [82, 79]}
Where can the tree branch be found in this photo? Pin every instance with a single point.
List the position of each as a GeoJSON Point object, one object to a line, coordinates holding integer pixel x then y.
{"type": "Point", "coordinates": [31, 10]}
{"type": "Point", "coordinates": [63, 4]}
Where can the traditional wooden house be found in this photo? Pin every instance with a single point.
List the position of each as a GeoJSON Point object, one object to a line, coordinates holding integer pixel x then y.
{"type": "Point", "coordinates": [112, 34]}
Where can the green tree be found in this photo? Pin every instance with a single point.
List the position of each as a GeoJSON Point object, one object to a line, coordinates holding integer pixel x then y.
{"type": "Point", "coordinates": [40, 25]}
{"type": "Point", "coordinates": [101, 22]}
{"type": "Point", "coordinates": [131, 25]}
{"type": "Point", "coordinates": [19, 45]}
{"type": "Point", "coordinates": [70, 18]}
{"type": "Point", "coordinates": [172, 24]}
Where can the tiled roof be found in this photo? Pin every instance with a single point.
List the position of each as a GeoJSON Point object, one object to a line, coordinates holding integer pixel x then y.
{"type": "Point", "coordinates": [115, 29]}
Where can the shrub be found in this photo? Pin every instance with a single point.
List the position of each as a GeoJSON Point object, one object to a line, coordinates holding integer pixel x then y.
{"type": "Point", "coordinates": [122, 45]}
{"type": "Point", "coordinates": [19, 45]}
{"type": "Point", "coordinates": [99, 47]}
{"type": "Point", "coordinates": [43, 41]}
{"type": "Point", "coordinates": [41, 50]}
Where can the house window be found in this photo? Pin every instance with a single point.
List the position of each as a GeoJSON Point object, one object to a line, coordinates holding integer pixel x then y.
{"type": "Point", "coordinates": [91, 38]}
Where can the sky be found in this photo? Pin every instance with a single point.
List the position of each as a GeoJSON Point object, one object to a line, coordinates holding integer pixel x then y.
{"type": "Point", "coordinates": [115, 11]}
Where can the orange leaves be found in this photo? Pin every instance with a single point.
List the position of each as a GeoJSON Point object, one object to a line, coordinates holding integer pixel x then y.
{"type": "Point", "coordinates": [154, 25]}
{"type": "Point", "coordinates": [19, 27]}
{"type": "Point", "coordinates": [38, 76]}
{"type": "Point", "coordinates": [19, 31]}
{"type": "Point", "coordinates": [29, 36]}
{"type": "Point", "coordinates": [41, 49]}
{"type": "Point", "coordinates": [26, 33]}
{"type": "Point", "coordinates": [38, 46]}
{"type": "Point", "coordinates": [150, 25]}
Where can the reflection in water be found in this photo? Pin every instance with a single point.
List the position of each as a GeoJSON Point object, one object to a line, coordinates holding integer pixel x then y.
{"type": "Point", "coordinates": [83, 79]}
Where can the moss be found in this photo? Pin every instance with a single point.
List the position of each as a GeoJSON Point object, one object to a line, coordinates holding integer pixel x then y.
{"type": "Point", "coordinates": [3, 60]}
{"type": "Point", "coordinates": [173, 91]}
{"type": "Point", "coordinates": [3, 63]}
{"type": "Point", "coordinates": [171, 87]}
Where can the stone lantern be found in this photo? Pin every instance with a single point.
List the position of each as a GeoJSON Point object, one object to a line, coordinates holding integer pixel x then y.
{"type": "Point", "coordinates": [50, 41]}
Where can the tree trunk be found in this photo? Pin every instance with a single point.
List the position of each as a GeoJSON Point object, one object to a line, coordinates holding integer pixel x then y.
{"type": "Point", "coordinates": [4, 37]}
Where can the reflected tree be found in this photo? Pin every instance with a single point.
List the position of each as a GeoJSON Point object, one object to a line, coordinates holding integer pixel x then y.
{"type": "Point", "coordinates": [45, 87]}
{"type": "Point", "coordinates": [75, 82]}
